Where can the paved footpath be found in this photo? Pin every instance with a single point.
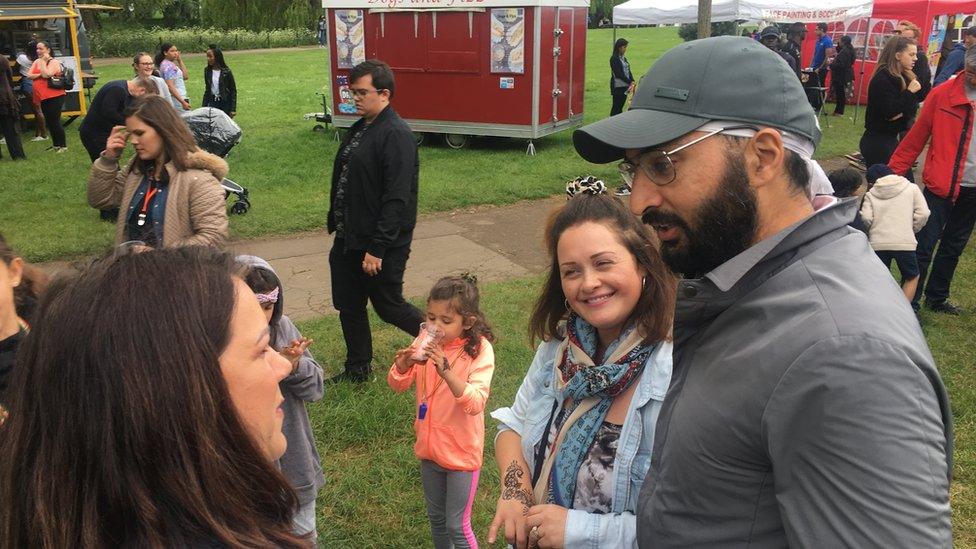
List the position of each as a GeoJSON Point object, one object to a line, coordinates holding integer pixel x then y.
{"type": "Point", "coordinates": [492, 242]}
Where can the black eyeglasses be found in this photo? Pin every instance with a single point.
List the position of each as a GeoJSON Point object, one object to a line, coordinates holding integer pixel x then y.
{"type": "Point", "coordinates": [657, 164]}
{"type": "Point", "coordinates": [363, 92]}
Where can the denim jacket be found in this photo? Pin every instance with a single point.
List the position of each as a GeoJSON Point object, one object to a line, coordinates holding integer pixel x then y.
{"type": "Point", "coordinates": [530, 413]}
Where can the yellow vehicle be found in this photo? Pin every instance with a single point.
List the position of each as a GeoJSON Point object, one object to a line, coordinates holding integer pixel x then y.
{"type": "Point", "coordinates": [58, 24]}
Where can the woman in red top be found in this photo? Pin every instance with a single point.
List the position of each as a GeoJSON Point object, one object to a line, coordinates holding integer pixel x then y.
{"type": "Point", "coordinates": [51, 100]}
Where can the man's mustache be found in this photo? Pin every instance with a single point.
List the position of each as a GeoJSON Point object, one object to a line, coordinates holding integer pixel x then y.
{"type": "Point", "coordinates": [657, 217]}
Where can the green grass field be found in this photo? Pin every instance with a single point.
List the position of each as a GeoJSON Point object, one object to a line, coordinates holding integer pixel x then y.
{"type": "Point", "coordinates": [286, 166]}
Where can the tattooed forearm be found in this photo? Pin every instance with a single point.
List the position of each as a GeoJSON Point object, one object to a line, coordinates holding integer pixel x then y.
{"type": "Point", "coordinates": [512, 487]}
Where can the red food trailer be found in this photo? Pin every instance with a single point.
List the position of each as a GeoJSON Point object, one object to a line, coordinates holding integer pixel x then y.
{"type": "Point", "coordinates": [508, 68]}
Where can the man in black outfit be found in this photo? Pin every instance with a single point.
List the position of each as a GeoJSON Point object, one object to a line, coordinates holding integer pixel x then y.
{"type": "Point", "coordinates": [769, 37]}
{"type": "Point", "coordinates": [794, 38]}
{"type": "Point", "coordinates": [372, 212]}
{"type": "Point", "coordinates": [922, 71]}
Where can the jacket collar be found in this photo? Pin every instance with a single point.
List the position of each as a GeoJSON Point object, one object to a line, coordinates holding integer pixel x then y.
{"type": "Point", "coordinates": [765, 252]}
{"type": "Point", "coordinates": [197, 160]}
{"type": "Point", "coordinates": [957, 92]}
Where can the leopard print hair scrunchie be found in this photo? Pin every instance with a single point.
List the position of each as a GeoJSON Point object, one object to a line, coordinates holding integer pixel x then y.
{"type": "Point", "coordinates": [587, 185]}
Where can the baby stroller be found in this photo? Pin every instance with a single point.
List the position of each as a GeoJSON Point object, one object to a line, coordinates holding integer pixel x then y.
{"type": "Point", "coordinates": [217, 134]}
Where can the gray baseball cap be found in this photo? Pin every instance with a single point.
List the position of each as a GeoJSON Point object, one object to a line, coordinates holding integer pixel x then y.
{"type": "Point", "coordinates": [730, 78]}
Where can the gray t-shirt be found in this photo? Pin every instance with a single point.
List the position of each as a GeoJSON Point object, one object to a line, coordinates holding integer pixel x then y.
{"type": "Point", "coordinates": [969, 172]}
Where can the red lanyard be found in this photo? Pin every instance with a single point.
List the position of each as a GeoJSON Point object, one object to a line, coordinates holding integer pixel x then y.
{"type": "Point", "coordinates": [144, 212]}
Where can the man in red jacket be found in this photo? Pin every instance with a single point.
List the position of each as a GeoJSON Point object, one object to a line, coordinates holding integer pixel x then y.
{"type": "Point", "coordinates": [946, 124]}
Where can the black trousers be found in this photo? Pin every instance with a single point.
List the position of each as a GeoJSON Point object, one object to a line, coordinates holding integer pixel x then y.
{"type": "Point", "coordinates": [950, 225]}
{"type": "Point", "coordinates": [94, 142]}
{"type": "Point", "coordinates": [839, 87]}
{"type": "Point", "coordinates": [351, 288]}
{"type": "Point", "coordinates": [8, 128]}
{"type": "Point", "coordinates": [877, 147]}
{"type": "Point", "coordinates": [619, 96]}
{"type": "Point", "coordinates": [52, 117]}
{"type": "Point", "coordinates": [221, 104]}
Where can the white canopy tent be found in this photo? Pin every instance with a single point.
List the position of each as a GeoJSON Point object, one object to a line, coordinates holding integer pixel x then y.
{"type": "Point", "coordinates": [660, 12]}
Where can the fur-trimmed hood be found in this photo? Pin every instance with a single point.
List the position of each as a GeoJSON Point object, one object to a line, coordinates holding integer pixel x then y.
{"type": "Point", "coordinates": [196, 160]}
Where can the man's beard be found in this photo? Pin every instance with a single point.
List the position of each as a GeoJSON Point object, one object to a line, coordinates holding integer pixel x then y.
{"type": "Point", "coordinates": [725, 224]}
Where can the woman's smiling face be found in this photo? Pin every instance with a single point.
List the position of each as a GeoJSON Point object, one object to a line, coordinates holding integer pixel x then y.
{"type": "Point", "coordinates": [600, 277]}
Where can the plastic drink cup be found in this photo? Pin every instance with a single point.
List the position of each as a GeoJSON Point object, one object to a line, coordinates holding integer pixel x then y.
{"type": "Point", "coordinates": [428, 334]}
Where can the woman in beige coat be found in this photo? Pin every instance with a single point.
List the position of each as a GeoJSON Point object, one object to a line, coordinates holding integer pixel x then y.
{"type": "Point", "coordinates": [169, 194]}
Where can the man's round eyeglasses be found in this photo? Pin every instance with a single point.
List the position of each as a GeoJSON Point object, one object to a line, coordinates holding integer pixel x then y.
{"type": "Point", "coordinates": [657, 164]}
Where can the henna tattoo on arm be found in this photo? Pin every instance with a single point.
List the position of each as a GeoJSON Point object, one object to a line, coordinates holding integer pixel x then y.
{"type": "Point", "coordinates": [513, 488]}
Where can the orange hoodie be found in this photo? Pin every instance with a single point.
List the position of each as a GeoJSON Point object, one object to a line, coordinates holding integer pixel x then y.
{"type": "Point", "coordinates": [452, 433]}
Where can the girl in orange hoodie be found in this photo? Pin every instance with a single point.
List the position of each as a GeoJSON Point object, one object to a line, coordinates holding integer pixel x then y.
{"type": "Point", "coordinates": [453, 378]}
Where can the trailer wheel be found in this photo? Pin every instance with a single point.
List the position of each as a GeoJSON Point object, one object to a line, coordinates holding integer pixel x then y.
{"type": "Point", "coordinates": [456, 140]}
{"type": "Point", "coordinates": [318, 128]}
{"type": "Point", "coordinates": [419, 137]}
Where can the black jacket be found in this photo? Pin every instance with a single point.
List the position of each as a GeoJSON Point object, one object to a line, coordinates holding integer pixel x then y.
{"type": "Point", "coordinates": [105, 110]}
{"type": "Point", "coordinates": [842, 68]}
{"type": "Point", "coordinates": [924, 73]}
{"type": "Point", "coordinates": [226, 86]}
{"type": "Point", "coordinates": [617, 71]}
{"type": "Point", "coordinates": [887, 99]}
{"type": "Point", "coordinates": [381, 192]}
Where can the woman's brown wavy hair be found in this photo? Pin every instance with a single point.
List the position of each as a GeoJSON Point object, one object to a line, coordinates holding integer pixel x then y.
{"type": "Point", "coordinates": [122, 432]}
{"type": "Point", "coordinates": [655, 308]}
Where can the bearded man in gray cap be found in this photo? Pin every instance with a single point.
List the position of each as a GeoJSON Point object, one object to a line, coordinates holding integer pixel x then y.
{"type": "Point", "coordinates": [805, 408]}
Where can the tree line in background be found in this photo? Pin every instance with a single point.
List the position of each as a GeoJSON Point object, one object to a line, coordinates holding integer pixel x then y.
{"type": "Point", "coordinates": [255, 15]}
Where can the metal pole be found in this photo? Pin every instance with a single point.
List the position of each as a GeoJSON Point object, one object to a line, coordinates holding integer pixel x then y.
{"type": "Point", "coordinates": [860, 78]}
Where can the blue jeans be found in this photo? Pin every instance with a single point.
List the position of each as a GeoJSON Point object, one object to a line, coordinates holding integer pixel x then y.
{"type": "Point", "coordinates": [949, 225]}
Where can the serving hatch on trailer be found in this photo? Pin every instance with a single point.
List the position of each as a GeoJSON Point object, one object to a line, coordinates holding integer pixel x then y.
{"type": "Point", "coordinates": [507, 68]}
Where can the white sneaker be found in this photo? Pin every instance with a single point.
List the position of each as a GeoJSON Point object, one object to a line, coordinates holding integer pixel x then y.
{"type": "Point", "coordinates": [60, 149]}
{"type": "Point", "coordinates": [623, 190]}
{"type": "Point", "coordinates": [39, 138]}
{"type": "Point", "coordinates": [3, 140]}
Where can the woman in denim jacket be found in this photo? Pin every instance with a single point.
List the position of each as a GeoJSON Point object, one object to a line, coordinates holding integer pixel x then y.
{"type": "Point", "coordinates": [575, 447]}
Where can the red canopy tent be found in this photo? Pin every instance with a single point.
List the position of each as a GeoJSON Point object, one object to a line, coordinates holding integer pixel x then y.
{"type": "Point", "coordinates": [941, 22]}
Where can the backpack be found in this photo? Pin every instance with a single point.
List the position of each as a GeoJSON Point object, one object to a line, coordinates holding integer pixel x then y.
{"type": "Point", "coordinates": [64, 82]}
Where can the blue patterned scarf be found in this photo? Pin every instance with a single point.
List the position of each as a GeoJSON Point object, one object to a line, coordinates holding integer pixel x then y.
{"type": "Point", "coordinates": [583, 379]}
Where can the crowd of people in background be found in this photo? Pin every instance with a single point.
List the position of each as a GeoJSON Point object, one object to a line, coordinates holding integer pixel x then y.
{"type": "Point", "coordinates": [37, 65]}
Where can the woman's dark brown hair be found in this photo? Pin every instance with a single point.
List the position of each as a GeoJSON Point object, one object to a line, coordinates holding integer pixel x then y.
{"type": "Point", "coordinates": [655, 308]}
{"type": "Point", "coordinates": [159, 114]}
{"type": "Point", "coordinates": [32, 283]}
{"type": "Point", "coordinates": [462, 292]}
{"type": "Point", "coordinates": [121, 430]}
{"type": "Point", "coordinates": [887, 59]}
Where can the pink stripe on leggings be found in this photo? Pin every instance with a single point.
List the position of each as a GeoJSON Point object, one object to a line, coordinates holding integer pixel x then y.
{"type": "Point", "coordinates": [466, 518]}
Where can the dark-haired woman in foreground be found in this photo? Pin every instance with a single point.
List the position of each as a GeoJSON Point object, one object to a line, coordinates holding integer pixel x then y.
{"type": "Point", "coordinates": [574, 448]}
{"type": "Point", "coordinates": [138, 419]}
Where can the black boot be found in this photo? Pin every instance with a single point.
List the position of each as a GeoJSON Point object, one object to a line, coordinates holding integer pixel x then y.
{"type": "Point", "coordinates": [353, 375]}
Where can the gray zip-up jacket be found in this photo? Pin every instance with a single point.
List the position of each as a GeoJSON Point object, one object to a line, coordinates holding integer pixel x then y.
{"type": "Point", "coordinates": [300, 464]}
{"type": "Point", "coordinates": [805, 409]}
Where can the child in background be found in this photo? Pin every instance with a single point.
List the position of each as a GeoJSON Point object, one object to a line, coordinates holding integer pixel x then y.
{"type": "Point", "coordinates": [893, 211]}
{"type": "Point", "coordinates": [847, 182]}
{"type": "Point", "coordinates": [300, 464]}
{"type": "Point", "coordinates": [453, 381]}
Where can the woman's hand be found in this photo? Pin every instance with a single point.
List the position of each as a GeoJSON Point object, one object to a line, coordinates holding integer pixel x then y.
{"type": "Point", "coordinates": [512, 507]}
{"type": "Point", "coordinates": [547, 526]}
{"type": "Point", "coordinates": [185, 104]}
{"type": "Point", "coordinates": [116, 142]}
{"type": "Point", "coordinates": [914, 86]}
{"type": "Point", "coordinates": [294, 351]}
